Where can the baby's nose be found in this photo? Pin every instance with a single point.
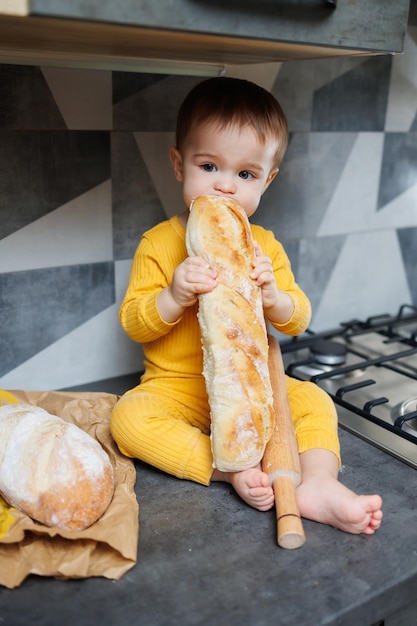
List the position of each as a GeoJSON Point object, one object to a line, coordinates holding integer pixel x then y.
{"type": "Point", "coordinates": [225, 184]}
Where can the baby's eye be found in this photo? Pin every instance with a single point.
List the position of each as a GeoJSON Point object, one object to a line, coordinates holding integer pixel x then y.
{"type": "Point", "coordinates": [246, 175]}
{"type": "Point", "coordinates": [208, 167]}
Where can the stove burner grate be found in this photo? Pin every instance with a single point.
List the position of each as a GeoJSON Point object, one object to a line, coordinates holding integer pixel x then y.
{"type": "Point", "coordinates": [380, 352]}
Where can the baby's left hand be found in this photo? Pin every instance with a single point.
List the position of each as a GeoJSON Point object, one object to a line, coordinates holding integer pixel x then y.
{"type": "Point", "coordinates": [263, 275]}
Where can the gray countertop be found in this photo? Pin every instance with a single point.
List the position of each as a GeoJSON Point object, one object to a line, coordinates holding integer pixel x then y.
{"type": "Point", "coordinates": [207, 558]}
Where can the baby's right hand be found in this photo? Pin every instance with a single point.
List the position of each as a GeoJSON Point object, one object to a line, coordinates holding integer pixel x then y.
{"type": "Point", "coordinates": [192, 277]}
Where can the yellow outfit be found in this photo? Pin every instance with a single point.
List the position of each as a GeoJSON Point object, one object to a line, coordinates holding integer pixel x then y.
{"type": "Point", "coordinates": [165, 420]}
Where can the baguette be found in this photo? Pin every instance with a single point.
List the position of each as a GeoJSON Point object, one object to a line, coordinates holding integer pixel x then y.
{"type": "Point", "coordinates": [51, 470]}
{"type": "Point", "coordinates": [233, 332]}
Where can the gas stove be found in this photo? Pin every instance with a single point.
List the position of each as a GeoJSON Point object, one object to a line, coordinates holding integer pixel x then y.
{"type": "Point", "coordinates": [369, 368]}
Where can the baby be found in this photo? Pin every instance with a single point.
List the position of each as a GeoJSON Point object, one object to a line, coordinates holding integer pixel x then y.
{"type": "Point", "coordinates": [231, 137]}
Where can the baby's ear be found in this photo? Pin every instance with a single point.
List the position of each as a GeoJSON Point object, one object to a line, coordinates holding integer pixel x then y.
{"type": "Point", "coordinates": [176, 162]}
{"type": "Point", "coordinates": [270, 178]}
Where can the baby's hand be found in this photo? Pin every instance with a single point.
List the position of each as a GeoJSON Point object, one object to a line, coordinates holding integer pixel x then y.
{"type": "Point", "coordinates": [192, 277]}
{"type": "Point", "coordinates": [263, 275]}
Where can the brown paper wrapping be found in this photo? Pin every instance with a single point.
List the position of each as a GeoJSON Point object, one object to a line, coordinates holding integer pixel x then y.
{"type": "Point", "coordinates": [109, 547]}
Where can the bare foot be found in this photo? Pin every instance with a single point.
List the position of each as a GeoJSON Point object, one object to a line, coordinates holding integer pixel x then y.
{"type": "Point", "coordinates": [252, 485]}
{"type": "Point", "coordinates": [324, 499]}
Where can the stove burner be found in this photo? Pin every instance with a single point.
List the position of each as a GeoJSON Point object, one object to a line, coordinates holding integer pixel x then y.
{"type": "Point", "coordinates": [328, 352]}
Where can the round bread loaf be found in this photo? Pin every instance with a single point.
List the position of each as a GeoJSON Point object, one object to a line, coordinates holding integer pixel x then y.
{"type": "Point", "coordinates": [51, 470]}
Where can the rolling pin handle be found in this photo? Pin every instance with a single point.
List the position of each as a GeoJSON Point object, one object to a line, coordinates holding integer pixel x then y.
{"type": "Point", "coordinates": [290, 532]}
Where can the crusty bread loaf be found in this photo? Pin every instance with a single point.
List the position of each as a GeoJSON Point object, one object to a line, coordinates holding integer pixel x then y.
{"type": "Point", "coordinates": [51, 470]}
{"type": "Point", "coordinates": [234, 338]}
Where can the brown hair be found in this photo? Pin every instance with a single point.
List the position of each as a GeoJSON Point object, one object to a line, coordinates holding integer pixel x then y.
{"type": "Point", "coordinates": [233, 101]}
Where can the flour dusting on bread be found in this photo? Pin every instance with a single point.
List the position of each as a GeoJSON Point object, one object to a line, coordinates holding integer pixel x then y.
{"type": "Point", "coordinates": [52, 470]}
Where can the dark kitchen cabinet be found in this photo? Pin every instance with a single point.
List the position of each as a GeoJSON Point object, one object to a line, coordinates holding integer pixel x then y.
{"type": "Point", "coordinates": [200, 31]}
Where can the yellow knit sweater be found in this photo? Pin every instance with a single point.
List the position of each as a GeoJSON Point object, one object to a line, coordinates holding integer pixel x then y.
{"type": "Point", "coordinates": [174, 350]}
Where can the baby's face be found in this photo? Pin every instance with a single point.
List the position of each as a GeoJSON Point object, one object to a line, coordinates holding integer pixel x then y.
{"type": "Point", "coordinates": [229, 162]}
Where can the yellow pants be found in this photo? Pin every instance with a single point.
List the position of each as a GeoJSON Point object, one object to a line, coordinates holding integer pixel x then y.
{"type": "Point", "coordinates": [167, 424]}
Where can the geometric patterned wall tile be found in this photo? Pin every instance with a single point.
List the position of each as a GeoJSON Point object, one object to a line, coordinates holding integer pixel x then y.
{"type": "Point", "coordinates": [154, 106]}
{"type": "Point", "coordinates": [412, 18]}
{"type": "Point", "coordinates": [127, 84]}
{"type": "Point", "coordinates": [84, 97]}
{"type": "Point", "coordinates": [402, 106]}
{"type": "Point", "coordinates": [297, 83]}
{"type": "Point", "coordinates": [76, 233]}
{"type": "Point", "coordinates": [121, 279]}
{"type": "Point", "coordinates": [40, 171]}
{"type": "Point", "coordinates": [263, 74]}
{"type": "Point", "coordinates": [292, 249]}
{"type": "Point", "coordinates": [364, 281]}
{"type": "Point", "coordinates": [26, 101]}
{"type": "Point", "coordinates": [95, 350]}
{"type": "Point", "coordinates": [318, 258]}
{"type": "Point", "coordinates": [400, 212]}
{"type": "Point", "coordinates": [154, 148]}
{"type": "Point", "coordinates": [399, 166]}
{"type": "Point", "coordinates": [407, 238]}
{"type": "Point", "coordinates": [295, 203]}
{"type": "Point", "coordinates": [136, 205]}
{"type": "Point", "coordinates": [352, 207]}
{"type": "Point", "coordinates": [402, 99]}
{"type": "Point", "coordinates": [412, 23]}
{"type": "Point", "coordinates": [38, 307]}
{"type": "Point", "coordinates": [131, 357]}
{"type": "Point", "coordinates": [356, 101]}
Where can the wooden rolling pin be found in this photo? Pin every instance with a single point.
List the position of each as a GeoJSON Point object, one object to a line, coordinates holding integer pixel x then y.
{"type": "Point", "coordinates": [281, 461]}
